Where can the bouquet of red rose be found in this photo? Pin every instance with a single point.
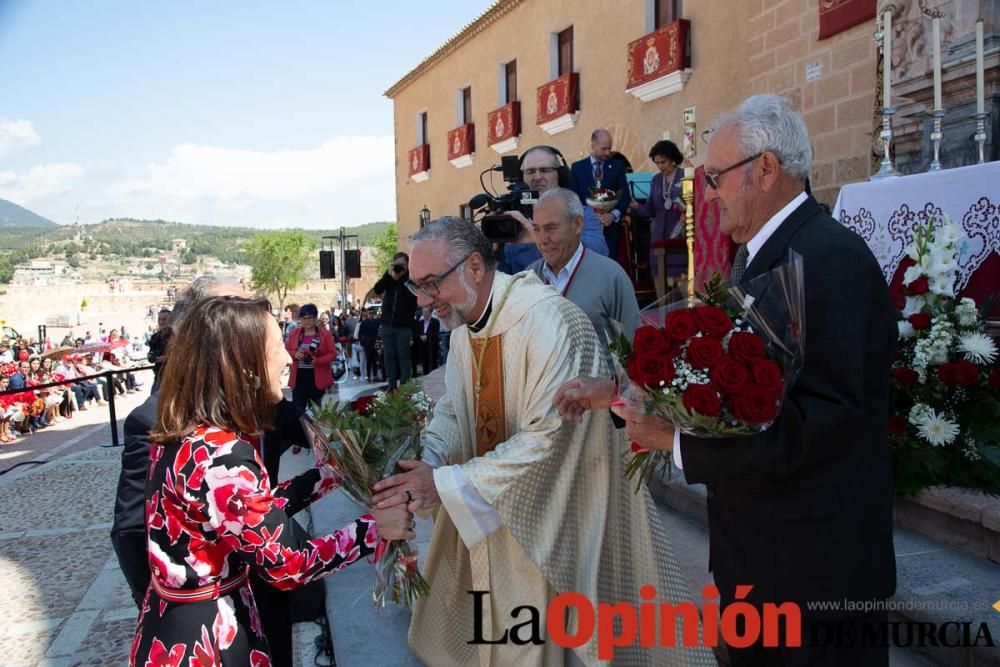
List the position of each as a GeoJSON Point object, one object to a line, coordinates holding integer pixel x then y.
{"type": "Point", "coordinates": [718, 365]}
{"type": "Point", "coordinates": [602, 200]}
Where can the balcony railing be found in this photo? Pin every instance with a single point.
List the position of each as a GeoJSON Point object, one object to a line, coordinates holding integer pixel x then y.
{"type": "Point", "coordinates": [504, 127]}
{"type": "Point", "coordinates": [557, 104]}
{"type": "Point", "coordinates": [462, 145]}
{"type": "Point", "coordinates": [419, 160]}
{"type": "Point", "coordinates": [660, 63]}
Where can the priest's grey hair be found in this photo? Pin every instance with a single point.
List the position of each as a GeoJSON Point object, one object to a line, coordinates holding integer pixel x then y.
{"type": "Point", "coordinates": [571, 201]}
{"type": "Point", "coordinates": [767, 123]}
{"type": "Point", "coordinates": [460, 236]}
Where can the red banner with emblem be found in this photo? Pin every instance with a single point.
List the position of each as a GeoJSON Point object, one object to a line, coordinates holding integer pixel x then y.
{"type": "Point", "coordinates": [659, 53]}
{"type": "Point", "coordinates": [419, 159]}
{"type": "Point", "coordinates": [839, 15]}
{"type": "Point", "coordinates": [504, 123]}
{"type": "Point", "coordinates": [461, 141]}
{"type": "Point", "coordinates": [557, 98]}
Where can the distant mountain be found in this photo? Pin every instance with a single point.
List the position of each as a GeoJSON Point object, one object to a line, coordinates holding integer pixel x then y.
{"type": "Point", "coordinates": [12, 215]}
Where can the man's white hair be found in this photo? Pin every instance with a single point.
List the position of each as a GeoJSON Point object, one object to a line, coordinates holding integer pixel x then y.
{"type": "Point", "coordinates": [767, 123]}
{"type": "Point", "coordinates": [570, 200]}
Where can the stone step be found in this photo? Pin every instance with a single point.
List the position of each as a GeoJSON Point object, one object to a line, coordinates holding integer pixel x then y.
{"type": "Point", "coordinates": [937, 582]}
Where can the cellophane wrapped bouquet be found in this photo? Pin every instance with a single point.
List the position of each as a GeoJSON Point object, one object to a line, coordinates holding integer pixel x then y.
{"type": "Point", "coordinates": [717, 365]}
{"type": "Point", "coordinates": [364, 441]}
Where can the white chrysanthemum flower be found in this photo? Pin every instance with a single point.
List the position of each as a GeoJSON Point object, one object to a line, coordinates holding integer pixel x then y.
{"type": "Point", "coordinates": [978, 348]}
{"type": "Point", "coordinates": [919, 414]}
{"type": "Point", "coordinates": [906, 329]}
{"type": "Point", "coordinates": [938, 430]}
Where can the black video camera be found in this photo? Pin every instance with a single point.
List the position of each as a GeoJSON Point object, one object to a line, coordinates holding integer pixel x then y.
{"type": "Point", "coordinates": [496, 224]}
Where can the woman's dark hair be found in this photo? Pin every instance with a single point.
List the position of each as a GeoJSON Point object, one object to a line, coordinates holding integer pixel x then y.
{"type": "Point", "coordinates": [216, 372]}
{"type": "Point", "coordinates": [667, 149]}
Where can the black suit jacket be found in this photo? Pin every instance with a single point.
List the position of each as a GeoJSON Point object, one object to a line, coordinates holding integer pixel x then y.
{"type": "Point", "coordinates": [614, 178]}
{"type": "Point", "coordinates": [803, 511]}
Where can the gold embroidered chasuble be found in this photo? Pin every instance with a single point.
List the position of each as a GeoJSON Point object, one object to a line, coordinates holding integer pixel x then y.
{"type": "Point", "coordinates": [570, 522]}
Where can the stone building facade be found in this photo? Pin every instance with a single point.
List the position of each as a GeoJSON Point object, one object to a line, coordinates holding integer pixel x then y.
{"type": "Point", "coordinates": [644, 69]}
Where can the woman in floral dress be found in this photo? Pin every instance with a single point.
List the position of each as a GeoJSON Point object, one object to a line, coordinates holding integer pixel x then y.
{"type": "Point", "coordinates": [211, 512]}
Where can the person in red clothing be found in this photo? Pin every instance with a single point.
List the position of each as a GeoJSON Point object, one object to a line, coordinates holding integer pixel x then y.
{"type": "Point", "coordinates": [212, 513]}
{"type": "Point", "coordinates": [312, 349]}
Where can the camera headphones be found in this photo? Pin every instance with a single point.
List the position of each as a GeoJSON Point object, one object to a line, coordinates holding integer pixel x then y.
{"type": "Point", "coordinates": [565, 178]}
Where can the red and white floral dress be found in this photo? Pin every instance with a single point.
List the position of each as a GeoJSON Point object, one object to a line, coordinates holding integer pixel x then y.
{"type": "Point", "coordinates": [211, 513]}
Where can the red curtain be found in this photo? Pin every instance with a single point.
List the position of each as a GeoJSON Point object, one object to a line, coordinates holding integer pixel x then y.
{"type": "Point", "coordinates": [839, 15]}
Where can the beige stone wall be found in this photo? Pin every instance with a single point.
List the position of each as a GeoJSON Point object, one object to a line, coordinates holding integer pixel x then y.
{"type": "Point", "coordinates": [838, 106]}
{"type": "Point", "coordinates": [738, 48]}
{"type": "Point", "coordinates": [601, 34]}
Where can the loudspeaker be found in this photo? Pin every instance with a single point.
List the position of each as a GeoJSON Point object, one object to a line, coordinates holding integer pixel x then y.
{"type": "Point", "coordinates": [352, 263]}
{"type": "Point", "coordinates": [327, 265]}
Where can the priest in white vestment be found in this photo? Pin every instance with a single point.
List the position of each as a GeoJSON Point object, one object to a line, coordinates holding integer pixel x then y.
{"type": "Point", "coordinates": [527, 506]}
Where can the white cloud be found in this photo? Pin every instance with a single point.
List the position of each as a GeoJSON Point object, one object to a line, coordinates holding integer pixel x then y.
{"type": "Point", "coordinates": [345, 180]}
{"type": "Point", "coordinates": [37, 182]}
{"type": "Point", "coordinates": [16, 134]}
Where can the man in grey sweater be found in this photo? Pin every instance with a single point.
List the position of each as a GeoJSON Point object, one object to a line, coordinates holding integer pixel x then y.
{"type": "Point", "coordinates": [597, 284]}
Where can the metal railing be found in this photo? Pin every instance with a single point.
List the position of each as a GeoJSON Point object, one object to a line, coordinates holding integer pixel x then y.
{"type": "Point", "coordinates": [107, 375]}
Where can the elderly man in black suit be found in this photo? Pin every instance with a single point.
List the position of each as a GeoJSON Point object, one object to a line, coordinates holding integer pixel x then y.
{"type": "Point", "coordinates": [803, 511]}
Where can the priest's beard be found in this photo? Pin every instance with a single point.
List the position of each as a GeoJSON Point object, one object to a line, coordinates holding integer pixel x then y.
{"type": "Point", "coordinates": [461, 313]}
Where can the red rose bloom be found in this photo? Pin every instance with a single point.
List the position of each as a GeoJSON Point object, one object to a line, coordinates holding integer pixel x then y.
{"type": "Point", "coordinates": [729, 376]}
{"type": "Point", "coordinates": [704, 352]}
{"type": "Point", "coordinates": [648, 341]}
{"type": "Point", "coordinates": [767, 375]}
{"type": "Point", "coordinates": [637, 448]}
{"type": "Point", "coordinates": [651, 371]}
{"type": "Point", "coordinates": [712, 321]}
{"type": "Point", "coordinates": [920, 321]}
{"type": "Point", "coordinates": [995, 378]}
{"type": "Point", "coordinates": [905, 376]}
{"type": "Point", "coordinates": [681, 325]}
{"type": "Point", "coordinates": [746, 347]}
{"type": "Point", "coordinates": [755, 407]}
{"type": "Point", "coordinates": [897, 425]}
{"type": "Point", "coordinates": [701, 398]}
{"type": "Point", "coordinates": [919, 286]}
{"type": "Point", "coordinates": [968, 372]}
{"type": "Point", "coordinates": [950, 374]}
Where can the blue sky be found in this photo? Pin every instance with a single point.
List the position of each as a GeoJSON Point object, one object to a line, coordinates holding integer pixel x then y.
{"type": "Point", "coordinates": [259, 113]}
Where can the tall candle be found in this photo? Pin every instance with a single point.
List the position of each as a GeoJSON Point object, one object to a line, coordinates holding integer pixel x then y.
{"type": "Point", "coordinates": [980, 92]}
{"type": "Point", "coordinates": [886, 58]}
{"type": "Point", "coordinates": [936, 23]}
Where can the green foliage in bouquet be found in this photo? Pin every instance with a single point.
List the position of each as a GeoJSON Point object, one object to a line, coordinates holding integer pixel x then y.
{"type": "Point", "coordinates": [944, 424]}
{"type": "Point", "coordinates": [365, 444]}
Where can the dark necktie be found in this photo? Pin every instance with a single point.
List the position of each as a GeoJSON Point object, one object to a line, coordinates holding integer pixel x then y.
{"type": "Point", "coordinates": [739, 265]}
{"type": "Point", "coordinates": [598, 171]}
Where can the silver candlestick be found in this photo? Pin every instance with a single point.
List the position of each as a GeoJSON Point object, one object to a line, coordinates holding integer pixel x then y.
{"type": "Point", "coordinates": [980, 135]}
{"type": "Point", "coordinates": [937, 115]}
{"type": "Point", "coordinates": [886, 169]}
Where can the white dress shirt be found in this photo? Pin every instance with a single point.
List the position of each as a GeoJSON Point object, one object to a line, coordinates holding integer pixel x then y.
{"type": "Point", "coordinates": [559, 282]}
{"type": "Point", "coordinates": [753, 247]}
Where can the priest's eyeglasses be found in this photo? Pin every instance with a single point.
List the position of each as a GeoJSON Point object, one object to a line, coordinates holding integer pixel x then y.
{"type": "Point", "coordinates": [432, 288]}
{"type": "Point", "coordinates": [712, 177]}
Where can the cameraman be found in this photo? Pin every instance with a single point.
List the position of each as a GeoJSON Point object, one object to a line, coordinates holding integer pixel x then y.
{"type": "Point", "coordinates": [540, 168]}
{"type": "Point", "coordinates": [399, 307]}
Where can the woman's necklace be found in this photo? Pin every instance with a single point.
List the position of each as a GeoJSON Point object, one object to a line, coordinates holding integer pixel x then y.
{"type": "Point", "coordinates": [477, 359]}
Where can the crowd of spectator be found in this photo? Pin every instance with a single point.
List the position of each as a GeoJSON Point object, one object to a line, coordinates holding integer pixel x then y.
{"type": "Point", "coordinates": [27, 404]}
